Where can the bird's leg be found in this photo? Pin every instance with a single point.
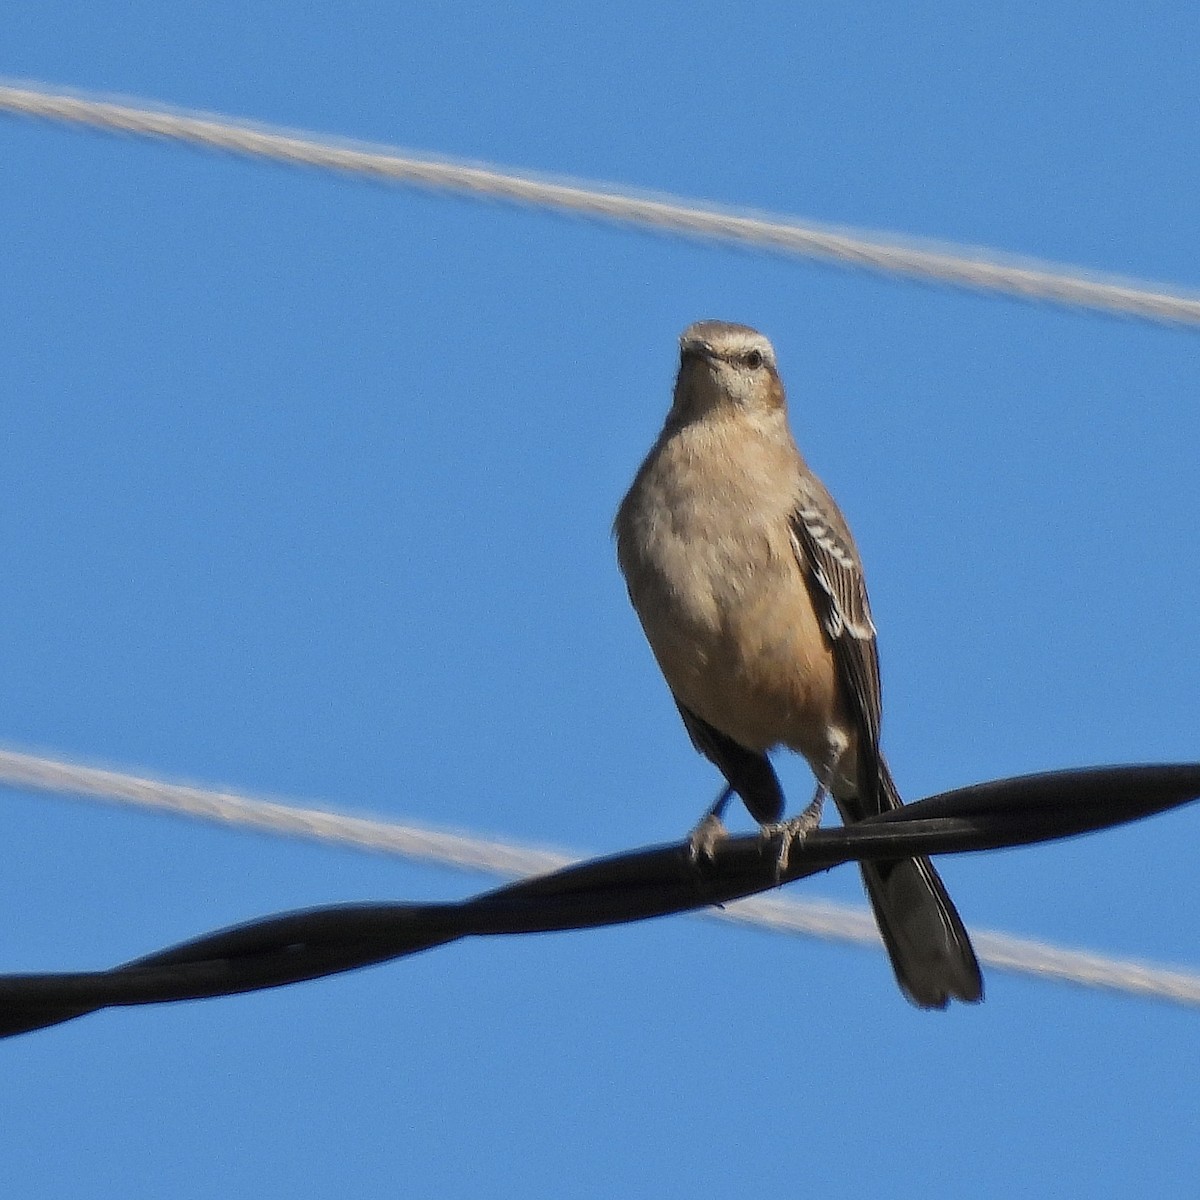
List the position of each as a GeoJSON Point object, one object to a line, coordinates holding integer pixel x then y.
{"type": "Point", "coordinates": [792, 832]}
{"type": "Point", "coordinates": [703, 840]}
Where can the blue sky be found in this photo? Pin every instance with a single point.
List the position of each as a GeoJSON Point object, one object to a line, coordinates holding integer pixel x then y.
{"type": "Point", "coordinates": [307, 491]}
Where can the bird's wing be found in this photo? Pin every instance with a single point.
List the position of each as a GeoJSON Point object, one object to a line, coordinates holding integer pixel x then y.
{"type": "Point", "coordinates": [929, 948]}
{"type": "Point", "coordinates": [748, 772]}
{"type": "Point", "coordinates": [833, 571]}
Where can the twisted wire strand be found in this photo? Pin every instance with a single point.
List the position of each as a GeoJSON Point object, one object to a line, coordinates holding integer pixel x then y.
{"type": "Point", "coordinates": [814, 918]}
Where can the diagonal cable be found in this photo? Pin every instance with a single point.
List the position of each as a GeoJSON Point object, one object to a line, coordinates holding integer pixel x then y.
{"type": "Point", "coordinates": [812, 917]}
{"type": "Point", "coordinates": [958, 266]}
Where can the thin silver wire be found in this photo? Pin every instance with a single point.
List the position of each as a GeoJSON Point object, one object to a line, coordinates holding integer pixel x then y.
{"type": "Point", "coordinates": [958, 266]}
{"type": "Point", "coordinates": [814, 918]}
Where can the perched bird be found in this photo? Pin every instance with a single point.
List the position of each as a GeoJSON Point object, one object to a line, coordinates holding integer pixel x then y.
{"type": "Point", "coordinates": [750, 590]}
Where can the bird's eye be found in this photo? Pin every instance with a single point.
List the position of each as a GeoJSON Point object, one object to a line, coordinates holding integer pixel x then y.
{"type": "Point", "coordinates": [753, 359]}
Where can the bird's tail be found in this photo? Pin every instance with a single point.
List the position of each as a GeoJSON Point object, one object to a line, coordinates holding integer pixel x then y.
{"type": "Point", "coordinates": [924, 935]}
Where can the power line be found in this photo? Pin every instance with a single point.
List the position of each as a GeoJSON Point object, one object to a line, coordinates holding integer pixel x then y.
{"type": "Point", "coordinates": [976, 269]}
{"type": "Point", "coordinates": [230, 808]}
{"type": "Point", "coordinates": [814, 918]}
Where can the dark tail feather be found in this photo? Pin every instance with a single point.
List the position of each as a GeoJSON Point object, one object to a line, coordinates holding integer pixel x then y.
{"type": "Point", "coordinates": [924, 935]}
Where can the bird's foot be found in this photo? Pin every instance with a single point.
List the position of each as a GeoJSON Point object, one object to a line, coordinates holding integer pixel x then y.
{"type": "Point", "coordinates": [793, 832]}
{"type": "Point", "coordinates": [705, 838]}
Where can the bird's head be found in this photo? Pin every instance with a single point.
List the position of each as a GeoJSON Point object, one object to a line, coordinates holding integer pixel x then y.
{"type": "Point", "coordinates": [725, 369]}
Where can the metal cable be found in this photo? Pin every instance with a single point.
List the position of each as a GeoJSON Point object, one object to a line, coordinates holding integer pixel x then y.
{"type": "Point", "coordinates": [977, 269]}
{"type": "Point", "coordinates": [814, 918]}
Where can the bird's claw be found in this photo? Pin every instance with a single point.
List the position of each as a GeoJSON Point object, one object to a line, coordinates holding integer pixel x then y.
{"type": "Point", "coordinates": [793, 832]}
{"type": "Point", "coordinates": [705, 838]}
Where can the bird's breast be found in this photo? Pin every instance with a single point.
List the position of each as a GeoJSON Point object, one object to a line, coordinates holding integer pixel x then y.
{"type": "Point", "coordinates": [712, 571]}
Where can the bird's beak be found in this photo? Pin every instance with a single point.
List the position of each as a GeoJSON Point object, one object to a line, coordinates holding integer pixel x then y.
{"type": "Point", "coordinates": [696, 348]}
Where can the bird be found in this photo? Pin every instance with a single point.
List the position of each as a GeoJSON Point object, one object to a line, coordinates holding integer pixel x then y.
{"type": "Point", "coordinates": [750, 590]}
